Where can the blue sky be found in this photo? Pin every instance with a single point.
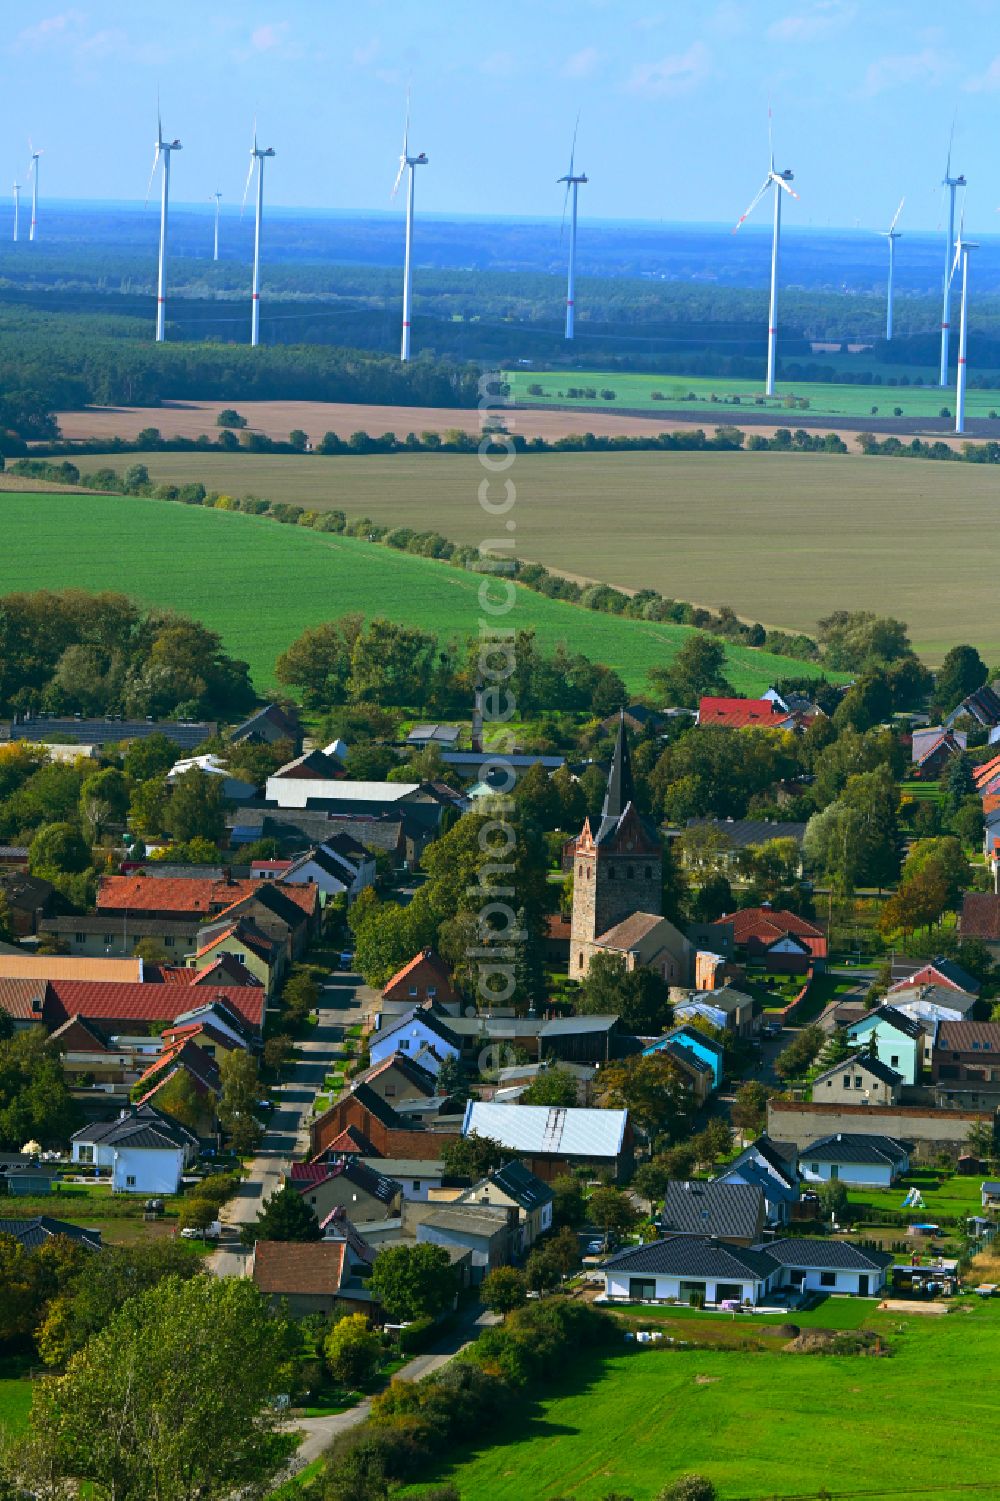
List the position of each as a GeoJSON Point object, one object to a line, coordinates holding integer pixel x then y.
{"type": "Point", "coordinates": [673, 100]}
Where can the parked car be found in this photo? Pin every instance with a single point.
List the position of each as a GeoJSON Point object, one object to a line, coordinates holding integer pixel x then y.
{"type": "Point", "coordinates": [210, 1232]}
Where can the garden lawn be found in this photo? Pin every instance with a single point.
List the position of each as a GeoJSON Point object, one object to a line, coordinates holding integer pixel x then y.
{"type": "Point", "coordinates": [260, 584]}
{"type": "Point", "coordinates": [944, 1194]}
{"type": "Point", "coordinates": [761, 1425]}
{"type": "Point", "coordinates": [15, 1401]}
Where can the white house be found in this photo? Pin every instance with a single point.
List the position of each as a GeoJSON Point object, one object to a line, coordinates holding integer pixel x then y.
{"type": "Point", "coordinates": [764, 1167]}
{"type": "Point", "coordinates": [868, 1161]}
{"type": "Point", "coordinates": [688, 1268]}
{"type": "Point", "coordinates": [146, 1150]}
{"type": "Point", "coordinates": [331, 872]}
{"type": "Point", "coordinates": [418, 1034]}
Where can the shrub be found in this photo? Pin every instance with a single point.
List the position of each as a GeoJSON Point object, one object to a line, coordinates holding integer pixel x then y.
{"type": "Point", "coordinates": [689, 1488]}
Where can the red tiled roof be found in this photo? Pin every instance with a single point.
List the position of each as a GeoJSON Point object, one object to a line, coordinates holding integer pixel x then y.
{"type": "Point", "coordinates": [768, 922]}
{"type": "Point", "coordinates": [287, 1267]}
{"type": "Point", "coordinates": [981, 916]}
{"type": "Point", "coordinates": [742, 713]}
{"type": "Point", "coordinates": [350, 1140]}
{"type": "Point", "coordinates": [148, 1003]}
{"type": "Point", "coordinates": [18, 998]}
{"type": "Point", "coordinates": [987, 771]}
{"type": "Point", "coordinates": [427, 960]}
{"type": "Point", "coordinates": [141, 893]}
{"type": "Point", "coordinates": [310, 1172]}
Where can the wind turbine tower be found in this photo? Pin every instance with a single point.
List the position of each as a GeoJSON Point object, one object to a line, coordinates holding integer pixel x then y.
{"type": "Point", "coordinates": [962, 248]}
{"type": "Point", "coordinates": [258, 155]}
{"type": "Point", "coordinates": [217, 196]}
{"type": "Point", "coordinates": [572, 181]}
{"type": "Point", "coordinates": [409, 164]}
{"type": "Point", "coordinates": [17, 209]}
{"type": "Point", "coordinates": [951, 184]}
{"type": "Point", "coordinates": [892, 234]}
{"type": "Point", "coordinates": [163, 149]}
{"type": "Point", "coordinates": [781, 183]}
{"type": "Point", "coordinates": [33, 174]}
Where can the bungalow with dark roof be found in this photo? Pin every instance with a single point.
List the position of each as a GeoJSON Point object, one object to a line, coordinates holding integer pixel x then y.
{"type": "Point", "coordinates": [36, 1232]}
{"type": "Point", "coordinates": [854, 1157]}
{"type": "Point", "coordinates": [145, 1148]}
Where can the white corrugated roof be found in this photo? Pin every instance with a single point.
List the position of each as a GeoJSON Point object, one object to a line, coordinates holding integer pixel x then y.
{"type": "Point", "coordinates": [548, 1129]}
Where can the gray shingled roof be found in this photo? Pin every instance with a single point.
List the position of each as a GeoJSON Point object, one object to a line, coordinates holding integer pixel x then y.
{"type": "Point", "coordinates": [693, 1256]}
{"type": "Point", "coordinates": [733, 1211]}
{"type": "Point", "coordinates": [855, 1147]}
{"type": "Point", "coordinates": [35, 1232]}
{"type": "Point", "coordinates": [827, 1255]}
{"type": "Point", "coordinates": [521, 1185]}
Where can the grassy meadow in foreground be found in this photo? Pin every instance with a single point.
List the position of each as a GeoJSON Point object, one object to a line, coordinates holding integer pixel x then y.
{"type": "Point", "coordinates": [763, 1425]}
{"type": "Point", "coordinates": [260, 584]}
{"type": "Point", "coordinates": [782, 538]}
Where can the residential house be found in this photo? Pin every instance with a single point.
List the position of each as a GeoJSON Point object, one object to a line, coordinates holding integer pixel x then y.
{"type": "Point", "coordinates": [261, 955]}
{"type": "Point", "coordinates": [552, 1141]}
{"type": "Point", "coordinates": [184, 1061]}
{"type": "Point", "coordinates": [730, 1212]}
{"type": "Point", "coordinates": [696, 1073]}
{"type": "Point", "coordinates": [933, 748]}
{"type": "Point", "coordinates": [235, 789]}
{"type": "Point", "coordinates": [982, 707]}
{"type": "Point", "coordinates": [966, 1051]}
{"type": "Point", "coordinates": [398, 1079]}
{"type": "Point", "coordinates": [312, 1277]}
{"type": "Point", "coordinates": [269, 726]}
{"type": "Point", "coordinates": [30, 900]}
{"type": "Point", "coordinates": [938, 971]}
{"type": "Point", "coordinates": [744, 714]}
{"type": "Point", "coordinates": [930, 1003]}
{"type": "Point", "coordinates": [741, 833]}
{"type": "Point", "coordinates": [766, 1166]}
{"type": "Point", "coordinates": [172, 897]}
{"type": "Point", "coordinates": [363, 1192]}
{"type": "Point", "coordinates": [423, 735]}
{"type": "Point", "coordinates": [31, 1234]}
{"type": "Point", "coordinates": [376, 1129]}
{"type": "Point", "coordinates": [980, 919]}
{"type": "Point", "coordinates": [513, 1187]}
{"type": "Point", "coordinates": [727, 1009]}
{"type": "Point", "coordinates": [417, 1177]}
{"type": "Point", "coordinates": [23, 1003]}
{"type": "Point", "coordinates": [146, 1150]}
{"type": "Point", "coordinates": [849, 1157]}
{"type": "Point", "coordinates": [782, 939]}
{"type": "Point", "coordinates": [900, 1041]}
{"type": "Point", "coordinates": [425, 977]}
{"type": "Point", "coordinates": [860, 1079]}
{"type": "Point", "coordinates": [333, 870]}
{"type": "Point", "coordinates": [990, 1192]}
{"type": "Point", "coordinates": [134, 1008]}
{"type": "Point", "coordinates": [28, 1179]}
{"type": "Point", "coordinates": [45, 967]}
{"type": "Point", "coordinates": [694, 1040]}
{"type": "Point", "coordinates": [415, 1032]}
{"type": "Point", "coordinates": [100, 936]}
{"type": "Point", "coordinates": [690, 1268]}
{"type": "Point", "coordinates": [812, 1265]}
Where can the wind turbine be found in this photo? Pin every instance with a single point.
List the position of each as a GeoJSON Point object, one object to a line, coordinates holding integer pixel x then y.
{"type": "Point", "coordinates": [572, 182]}
{"type": "Point", "coordinates": [217, 196]}
{"type": "Point", "coordinates": [891, 234]}
{"type": "Point", "coordinates": [33, 174]}
{"type": "Point", "coordinates": [962, 248]}
{"type": "Point", "coordinates": [258, 154]}
{"type": "Point", "coordinates": [407, 163]}
{"type": "Point", "coordinates": [781, 183]}
{"type": "Point", "coordinates": [951, 183]}
{"type": "Point", "coordinates": [17, 208]}
{"type": "Point", "coordinates": [163, 148]}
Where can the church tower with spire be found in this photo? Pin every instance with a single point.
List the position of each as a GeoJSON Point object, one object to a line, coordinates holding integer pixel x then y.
{"type": "Point", "coordinates": [617, 867]}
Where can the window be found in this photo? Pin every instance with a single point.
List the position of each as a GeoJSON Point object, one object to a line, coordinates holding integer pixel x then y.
{"type": "Point", "coordinates": [894, 1060]}
{"type": "Point", "coordinates": [108, 938]}
{"type": "Point", "coordinates": [857, 1081]}
{"type": "Point", "coordinates": [827, 1279]}
{"type": "Point", "coordinates": [85, 1154]}
{"type": "Point", "coordinates": [847, 1081]}
{"type": "Point", "coordinates": [130, 1180]}
{"type": "Point", "coordinates": [416, 1185]}
{"type": "Point", "coordinates": [642, 1289]}
{"type": "Point", "coordinates": [689, 1290]}
{"type": "Point", "coordinates": [796, 1276]}
{"type": "Point", "coordinates": [729, 1292]}
{"type": "Point", "coordinates": [168, 943]}
{"type": "Point", "coordinates": [631, 872]}
{"type": "Point", "coordinates": [413, 990]}
{"type": "Point", "coordinates": [814, 1168]}
{"type": "Point", "coordinates": [79, 938]}
{"type": "Point", "coordinates": [432, 991]}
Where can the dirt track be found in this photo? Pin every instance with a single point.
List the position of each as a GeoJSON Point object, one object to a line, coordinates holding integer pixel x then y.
{"type": "Point", "coordinates": [278, 418]}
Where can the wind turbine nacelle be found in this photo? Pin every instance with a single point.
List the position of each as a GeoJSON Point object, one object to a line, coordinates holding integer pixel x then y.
{"type": "Point", "coordinates": [787, 176]}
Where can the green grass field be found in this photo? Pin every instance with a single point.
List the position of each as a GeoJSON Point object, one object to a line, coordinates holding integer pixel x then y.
{"type": "Point", "coordinates": [762, 1426]}
{"type": "Point", "coordinates": [260, 584]}
{"type": "Point", "coordinates": [782, 538]}
{"type": "Point", "coordinates": [944, 1194]}
{"type": "Point", "coordinates": [634, 393]}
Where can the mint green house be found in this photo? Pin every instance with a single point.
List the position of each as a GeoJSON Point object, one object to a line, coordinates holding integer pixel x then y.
{"type": "Point", "coordinates": [899, 1040]}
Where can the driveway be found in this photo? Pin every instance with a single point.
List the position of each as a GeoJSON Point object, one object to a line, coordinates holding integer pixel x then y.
{"type": "Point", "coordinates": [287, 1135]}
{"type": "Point", "coordinates": [321, 1432]}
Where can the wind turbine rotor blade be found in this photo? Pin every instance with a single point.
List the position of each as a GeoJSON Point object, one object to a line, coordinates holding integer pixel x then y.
{"type": "Point", "coordinates": [951, 139]}
{"type": "Point", "coordinates": [572, 149]}
{"type": "Point", "coordinates": [246, 187]}
{"type": "Point", "coordinates": [152, 174]}
{"type": "Point", "coordinates": [770, 135]}
{"type": "Point", "coordinates": [783, 184]}
{"type": "Point", "coordinates": [406, 127]}
{"type": "Point", "coordinates": [399, 177]}
{"type": "Point", "coordinates": [753, 204]}
{"type": "Point", "coordinates": [895, 220]}
{"type": "Point", "coordinates": [562, 226]}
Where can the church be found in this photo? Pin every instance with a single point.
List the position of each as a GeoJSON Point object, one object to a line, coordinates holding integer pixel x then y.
{"type": "Point", "coordinates": [618, 886]}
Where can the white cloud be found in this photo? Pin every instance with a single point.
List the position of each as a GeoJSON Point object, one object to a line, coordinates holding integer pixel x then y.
{"type": "Point", "coordinates": [814, 22]}
{"type": "Point", "coordinates": [266, 38]}
{"type": "Point", "coordinates": [895, 70]}
{"type": "Point", "coordinates": [678, 73]}
{"type": "Point", "coordinates": [581, 64]}
{"type": "Point", "coordinates": [363, 57]}
{"type": "Point", "coordinates": [52, 30]}
{"type": "Point", "coordinates": [987, 82]}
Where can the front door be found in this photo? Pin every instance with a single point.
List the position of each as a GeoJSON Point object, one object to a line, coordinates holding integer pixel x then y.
{"type": "Point", "coordinates": [834, 1172]}
{"type": "Point", "coordinates": [863, 1285]}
